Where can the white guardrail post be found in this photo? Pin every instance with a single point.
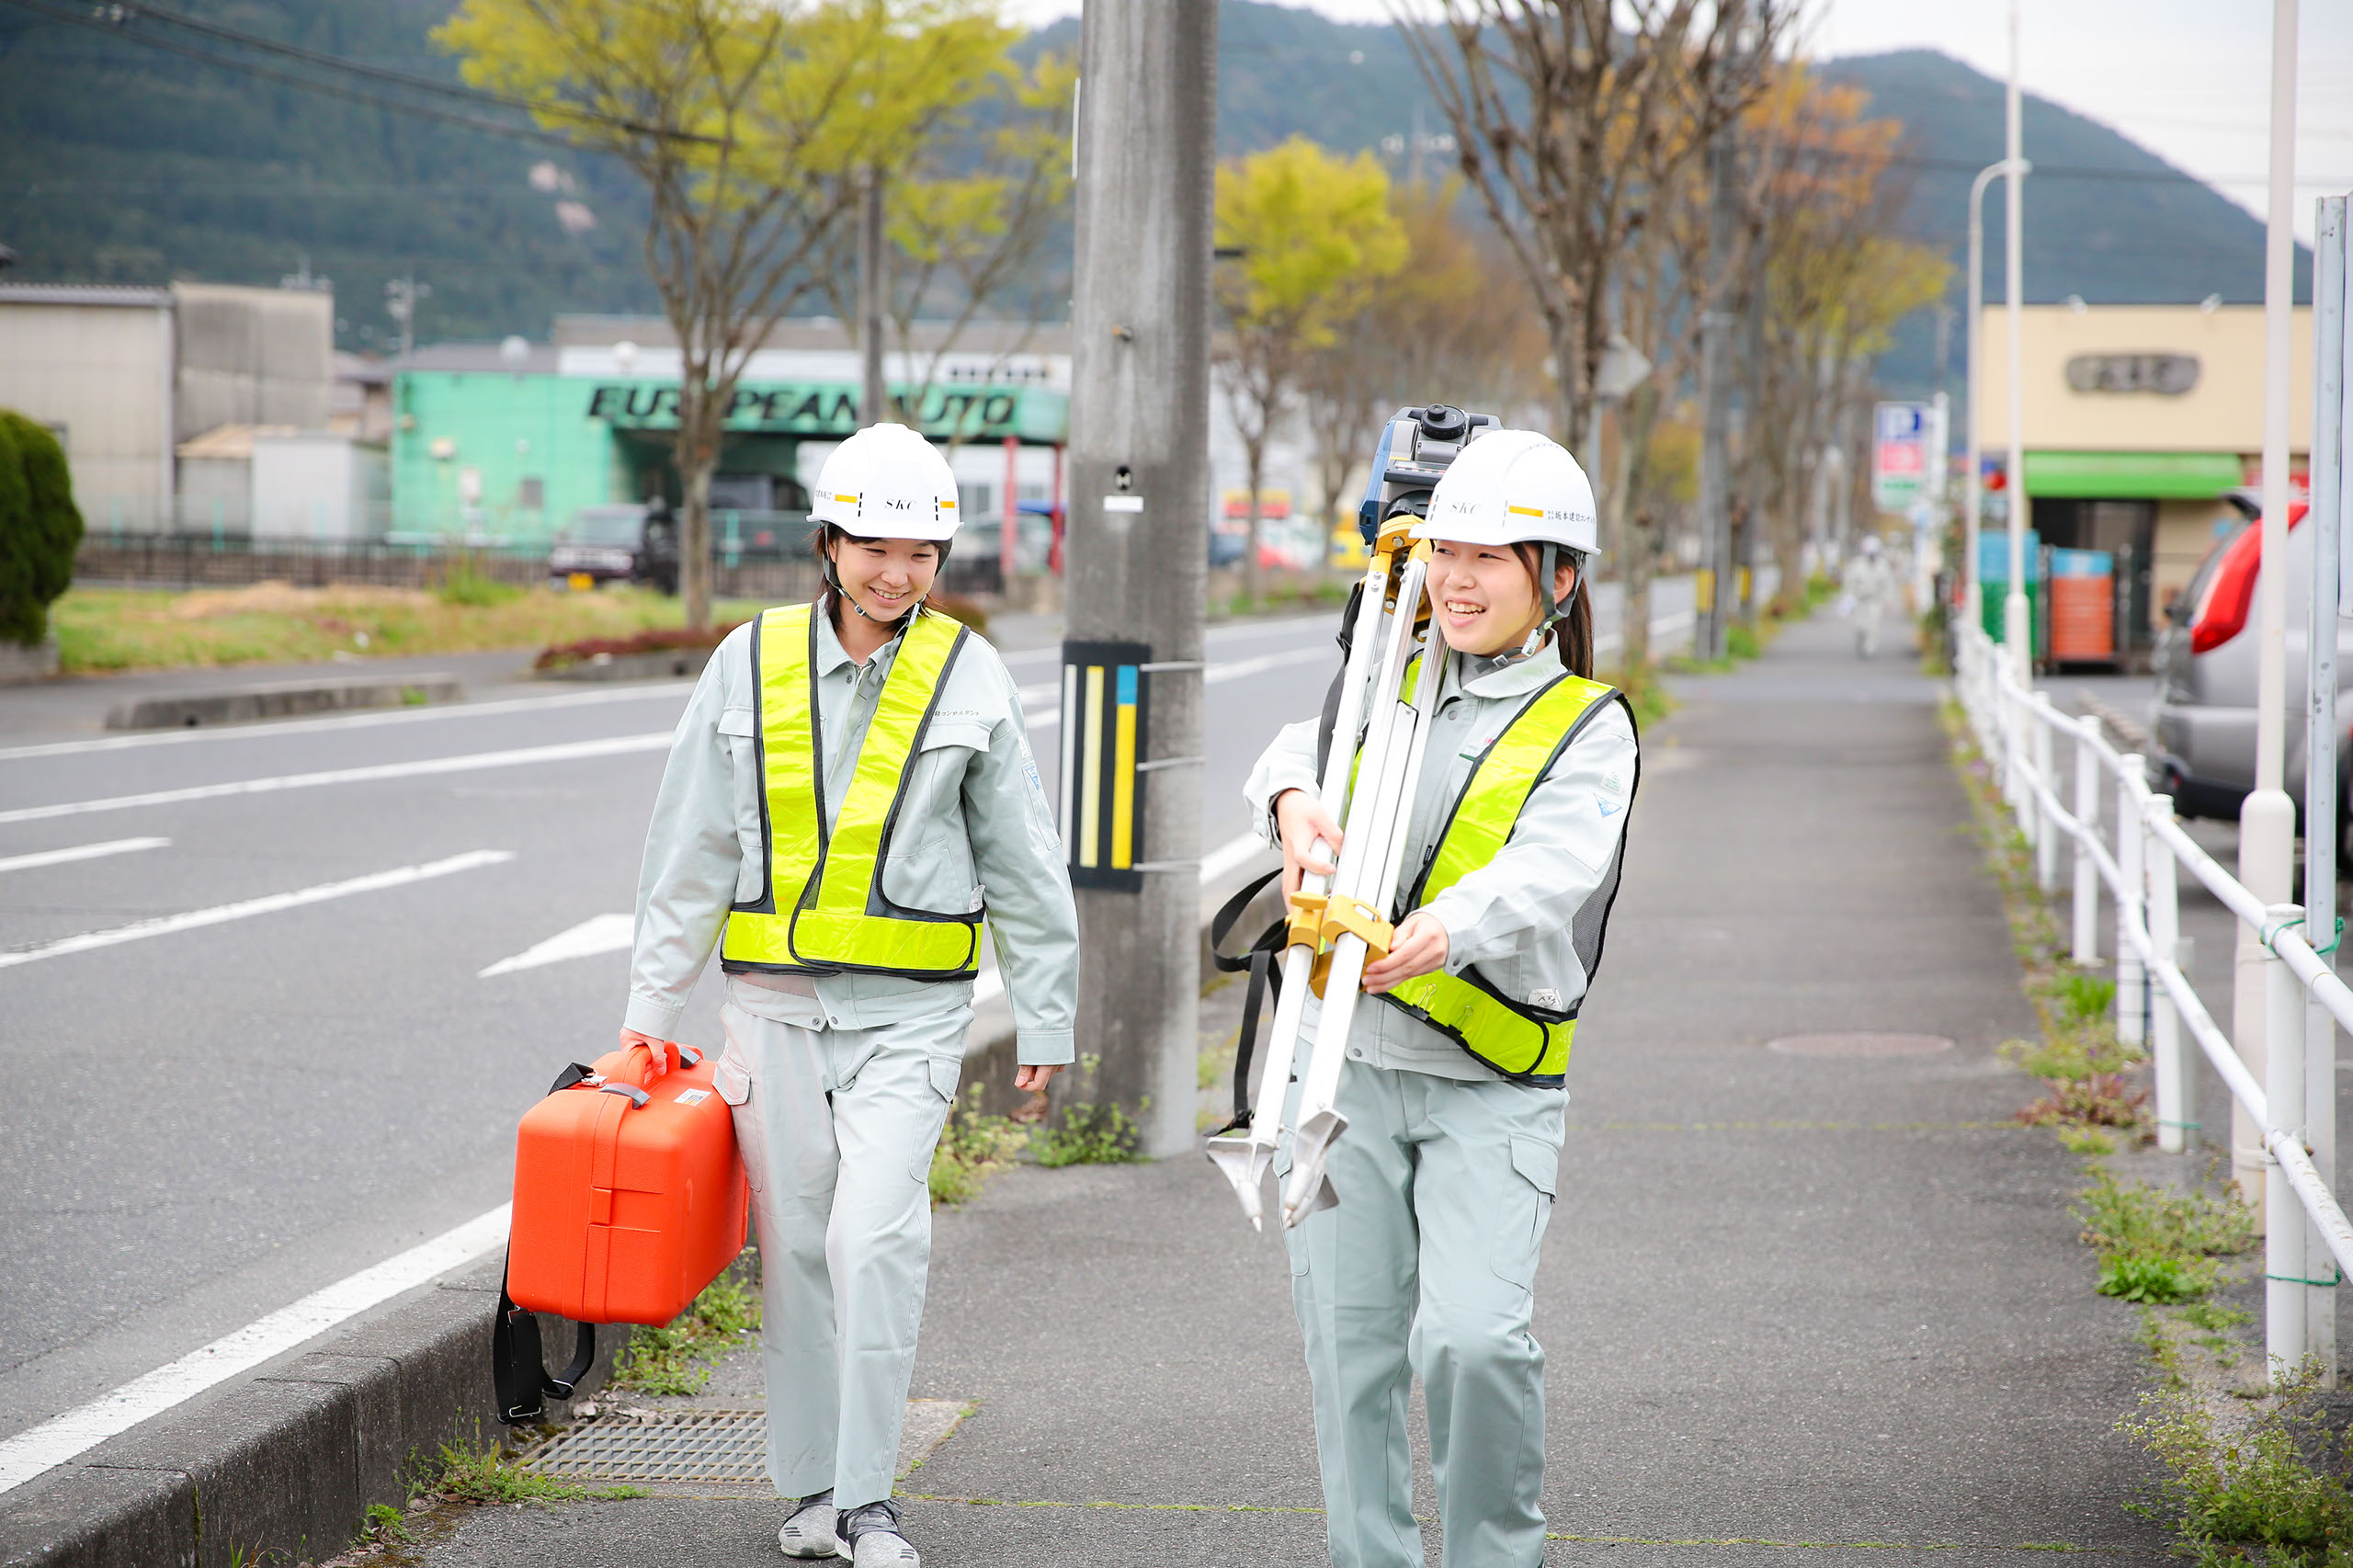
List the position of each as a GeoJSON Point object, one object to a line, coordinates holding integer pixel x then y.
{"type": "Point", "coordinates": [2044, 830]}
{"type": "Point", "coordinates": [2136, 887]}
{"type": "Point", "coordinates": [2283, 1094]}
{"type": "Point", "coordinates": [2088, 873]}
{"type": "Point", "coordinates": [2177, 1085]}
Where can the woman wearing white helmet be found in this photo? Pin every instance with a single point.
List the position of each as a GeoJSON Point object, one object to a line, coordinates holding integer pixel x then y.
{"type": "Point", "coordinates": [1452, 1087]}
{"type": "Point", "coordinates": [851, 794]}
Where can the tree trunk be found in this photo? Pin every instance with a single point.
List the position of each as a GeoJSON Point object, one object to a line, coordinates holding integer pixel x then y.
{"type": "Point", "coordinates": [1255, 454]}
{"type": "Point", "coordinates": [1637, 418]}
{"type": "Point", "coordinates": [696, 453]}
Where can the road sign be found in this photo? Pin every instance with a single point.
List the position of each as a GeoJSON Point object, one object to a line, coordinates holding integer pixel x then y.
{"type": "Point", "coordinates": [1899, 455]}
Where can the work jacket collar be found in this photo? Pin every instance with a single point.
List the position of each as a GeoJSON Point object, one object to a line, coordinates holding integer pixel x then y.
{"type": "Point", "coordinates": [832, 655]}
{"type": "Point", "coordinates": [1478, 676]}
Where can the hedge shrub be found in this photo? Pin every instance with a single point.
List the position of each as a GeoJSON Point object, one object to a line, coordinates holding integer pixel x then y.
{"type": "Point", "coordinates": [40, 527]}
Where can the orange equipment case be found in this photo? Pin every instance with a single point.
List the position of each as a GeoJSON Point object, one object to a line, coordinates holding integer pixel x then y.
{"type": "Point", "coordinates": [630, 1197]}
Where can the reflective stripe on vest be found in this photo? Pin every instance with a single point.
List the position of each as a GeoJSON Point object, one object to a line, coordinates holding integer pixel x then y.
{"type": "Point", "coordinates": [824, 911]}
{"type": "Point", "coordinates": [1515, 1038]}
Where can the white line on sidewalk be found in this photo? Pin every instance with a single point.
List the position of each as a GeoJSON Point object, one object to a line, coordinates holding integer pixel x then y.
{"type": "Point", "coordinates": [220, 913]}
{"type": "Point", "coordinates": [633, 693]}
{"type": "Point", "coordinates": [467, 762]}
{"type": "Point", "coordinates": [54, 1441]}
{"type": "Point", "coordinates": [80, 852]}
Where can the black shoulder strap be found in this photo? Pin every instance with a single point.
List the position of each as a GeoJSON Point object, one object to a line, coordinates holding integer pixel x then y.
{"type": "Point", "coordinates": [517, 1370]}
{"type": "Point", "coordinates": [1347, 641]}
{"type": "Point", "coordinates": [1264, 980]}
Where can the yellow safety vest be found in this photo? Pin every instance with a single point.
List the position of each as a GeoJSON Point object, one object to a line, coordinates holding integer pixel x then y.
{"type": "Point", "coordinates": [824, 911]}
{"type": "Point", "coordinates": [1515, 1038]}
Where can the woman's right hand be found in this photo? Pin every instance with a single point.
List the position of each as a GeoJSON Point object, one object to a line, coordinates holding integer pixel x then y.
{"type": "Point", "coordinates": [663, 1052]}
{"type": "Point", "coordinates": [1299, 821]}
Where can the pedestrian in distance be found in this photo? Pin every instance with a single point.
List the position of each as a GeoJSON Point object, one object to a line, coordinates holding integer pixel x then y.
{"type": "Point", "coordinates": [1868, 583]}
{"type": "Point", "coordinates": [1446, 1172]}
{"type": "Point", "coordinates": [849, 795]}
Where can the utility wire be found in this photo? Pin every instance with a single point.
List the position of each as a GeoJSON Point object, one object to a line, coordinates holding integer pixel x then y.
{"type": "Point", "coordinates": [112, 20]}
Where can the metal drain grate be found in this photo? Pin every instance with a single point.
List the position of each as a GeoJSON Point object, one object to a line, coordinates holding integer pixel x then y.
{"type": "Point", "coordinates": [709, 1447]}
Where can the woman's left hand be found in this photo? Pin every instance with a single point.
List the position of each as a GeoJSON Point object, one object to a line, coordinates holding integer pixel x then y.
{"type": "Point", "coordinates": [1418, 947]}
{"type": "Point", "coordinates": [1036, 1078]}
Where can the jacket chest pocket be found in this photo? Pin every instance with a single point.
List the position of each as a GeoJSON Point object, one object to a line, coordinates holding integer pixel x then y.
{"type": "Point", "coordinates": [930, 863]}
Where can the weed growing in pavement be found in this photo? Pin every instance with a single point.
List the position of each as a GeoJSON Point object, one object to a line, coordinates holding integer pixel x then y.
{"type": "Point", "coordinates": [2257, 1492]}
{"type": "Point", "coordinates": [2158, 1245]}
{"type": "Point", "coordinates": [465, 584]}
{"type": "Point", "coordinates": [676, 1357]}
{"type": "Point", "coordinates": [384, 1525]}
{"type": "Point", "coordinates": [1643, 688]}
{"type": "Point", "coordinates": [2088, 1141]}
{"type": "Point", "coordinates": [972, 1148]}
{"type": "Point", "coordinates": [1089, 1135]}
{"type": "Point", "coordinates": [490, 1477]}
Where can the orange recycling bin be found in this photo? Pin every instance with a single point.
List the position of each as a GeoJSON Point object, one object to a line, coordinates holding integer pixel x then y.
{"type": "Point", "coordinates": [629, 1192]}
{"type": "Point", "coordinates": [2083, 606]}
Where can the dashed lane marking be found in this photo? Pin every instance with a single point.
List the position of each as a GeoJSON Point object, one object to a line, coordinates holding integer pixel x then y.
{"type": "Point", "coordinates": [221, 913]}
{"type": "Point", "coordinates": [80, 852]}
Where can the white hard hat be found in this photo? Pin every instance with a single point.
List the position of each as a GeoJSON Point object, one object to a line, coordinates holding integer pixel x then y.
{"type": "Point", "coordinates": [1870, 544]}
{"type": "Point", "coordinates": [1513, 487]}
{"type": "Point", "coordinates": [887, 481]}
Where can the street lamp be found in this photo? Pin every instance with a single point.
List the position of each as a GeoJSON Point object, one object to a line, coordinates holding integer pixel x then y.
{"type": "Point", "coordinates": [1974, 599]}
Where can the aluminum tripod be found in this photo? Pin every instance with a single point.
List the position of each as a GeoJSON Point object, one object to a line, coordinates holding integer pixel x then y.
{"type": "Point", "coordinates": [1339, 924]}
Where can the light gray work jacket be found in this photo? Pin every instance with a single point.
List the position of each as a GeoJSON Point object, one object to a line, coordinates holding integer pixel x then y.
{"type": "Point", "coordinates": [974, 829]}
{"type": "Point", "coordinates": [1517, 917]}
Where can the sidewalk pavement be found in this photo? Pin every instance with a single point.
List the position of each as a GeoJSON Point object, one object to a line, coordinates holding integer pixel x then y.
{"type": "Point", "coordinates": [1787, 1299]}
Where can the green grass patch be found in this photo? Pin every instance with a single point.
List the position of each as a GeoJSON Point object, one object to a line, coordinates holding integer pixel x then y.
{"type": "Point", "coordinates": [112, 630]}
{"type": "Point", "coordinates": [2157, 1246]}
{"type": "Point", "coordinates": [972, 1148]}
{"type": "Point", "coordinates": [490, 1478]}
{"type": "Point", "coordinates": [676, 1357]}
{"type": "Point", "coordinates": [1089, 1135]}
{"type": "Point", "coordinates": [2259, 1491]}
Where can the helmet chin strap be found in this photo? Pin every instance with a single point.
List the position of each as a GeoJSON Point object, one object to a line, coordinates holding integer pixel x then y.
{"type": "Point", "coordinates": [1554, 610]}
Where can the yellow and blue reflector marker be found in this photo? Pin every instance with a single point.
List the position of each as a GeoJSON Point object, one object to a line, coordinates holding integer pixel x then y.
{"type": "Point", "coordinates": [1106, 700]}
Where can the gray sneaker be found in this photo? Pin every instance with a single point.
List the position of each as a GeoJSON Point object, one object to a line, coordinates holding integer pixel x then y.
{"type": "Point", "coordinates": [812, 1531]}
{"type": "Point", "coordinates": [871, 1537]}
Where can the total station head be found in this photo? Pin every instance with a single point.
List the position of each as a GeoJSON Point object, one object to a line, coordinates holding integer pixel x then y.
{"type": "Point", "coordinates": [1416, 446]}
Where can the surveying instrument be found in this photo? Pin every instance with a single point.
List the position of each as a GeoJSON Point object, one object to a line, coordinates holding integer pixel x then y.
{"type": "Point", "coordinates": [1337, 925]}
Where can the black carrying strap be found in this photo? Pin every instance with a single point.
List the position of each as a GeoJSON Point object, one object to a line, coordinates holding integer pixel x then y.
{"type": "Point", "coordinates": [1347, 640]}
{"type": "Point", "coordinates": [1264, 980]}
{"type": "Point", "coordinates": [517, 1368]}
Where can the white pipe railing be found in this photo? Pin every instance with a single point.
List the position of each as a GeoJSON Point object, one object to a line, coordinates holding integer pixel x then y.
{"type": "Point", "coordinates": [2015, 729]}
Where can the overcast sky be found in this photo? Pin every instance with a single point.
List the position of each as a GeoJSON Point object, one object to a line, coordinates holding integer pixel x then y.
{"type": "Point", "coordinates": [2187, 79]}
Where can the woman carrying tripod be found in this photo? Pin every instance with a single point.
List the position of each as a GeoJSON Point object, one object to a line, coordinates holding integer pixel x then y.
{"type": "Point", "coordinates": [1452, 1087]}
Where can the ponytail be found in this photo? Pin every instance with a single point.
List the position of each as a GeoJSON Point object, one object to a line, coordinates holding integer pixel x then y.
{"type": "Point", "coordinates": [1572, 634]}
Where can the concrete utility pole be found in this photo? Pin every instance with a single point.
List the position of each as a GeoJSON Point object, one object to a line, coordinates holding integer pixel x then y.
{"type": "Point", "coordinates": [1718, 588]}
{"type": "Point", "coordinates": [874, 393]}
{"type": "Point", "coordinates": [2267, 819]}
{"type": "Point", "coordinates": [2016, 632]}
{"type": "Point", "coordinates": [2320, 737]}
{"type": "Point", "coordinates": [1138, 543]}
{"type": "Point", "coordinates": [1973, 604]}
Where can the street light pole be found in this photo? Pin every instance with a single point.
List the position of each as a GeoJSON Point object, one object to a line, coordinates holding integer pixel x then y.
{"type": "Point", "coordinates": [1973, 596]}
{"type": "Point", "coordinates": [1138, 548]}
{"type": "Point", "coordinates": [2267, 819]}
{"type": "Point", "coordinates": [2015, 632]}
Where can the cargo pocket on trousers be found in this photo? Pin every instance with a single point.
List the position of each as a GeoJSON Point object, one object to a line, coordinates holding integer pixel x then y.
{"type": "Point", "coordinates": [945, 1072]}
{"type": "Point", "coordinates": [1519, 1230]}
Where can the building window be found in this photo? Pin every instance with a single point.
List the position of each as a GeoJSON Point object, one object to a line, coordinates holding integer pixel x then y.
{"type": "Point", "coordinates": [531, 496]}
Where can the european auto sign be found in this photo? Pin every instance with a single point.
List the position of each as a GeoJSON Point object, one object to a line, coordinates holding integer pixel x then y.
{"type": "Point", "coordinates": [1900, 473]}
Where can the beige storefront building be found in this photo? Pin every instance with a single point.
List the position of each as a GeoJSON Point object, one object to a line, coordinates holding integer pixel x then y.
{"type": "Point", "coordinates": [2137, 421]}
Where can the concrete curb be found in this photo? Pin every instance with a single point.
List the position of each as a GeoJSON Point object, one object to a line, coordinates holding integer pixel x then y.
{"type": "Point", "coordinates": [666, 664]}
{"type": "Point", "coordinates": [287, 1463]}
{"type": "Point", "coordinates": [243, 704]}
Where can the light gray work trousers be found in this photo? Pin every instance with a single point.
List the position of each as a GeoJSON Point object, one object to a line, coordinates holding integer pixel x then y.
{"type": "Point", "coordinates": [1428, 1268]}
{"type": "Point", "coordinates": [838, 1128]}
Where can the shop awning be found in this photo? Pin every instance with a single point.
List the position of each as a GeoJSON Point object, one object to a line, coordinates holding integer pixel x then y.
{"type": "Point", "coordinates": [2132, 476]}
{"type": "Point", "coordinates": [828, 410]}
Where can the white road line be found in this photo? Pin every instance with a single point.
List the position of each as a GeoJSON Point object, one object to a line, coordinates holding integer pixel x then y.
{"type": "Point", "coordinates": [598, 934]}
{"type": "Point", "coordinates": [54, 1441]}
{"type": "Point", "coordinates": [632, 693]}
{"type": "Point", "coordinates": [467, 762]}
{"type": "Point", "coordinates": [80, 852]}
{"type": "Point", "coordinates": [220, 913]}
{"type": "Point", "coordinates": [1216, 675]}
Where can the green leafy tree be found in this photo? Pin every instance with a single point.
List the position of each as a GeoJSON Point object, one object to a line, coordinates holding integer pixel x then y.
{"type": "Point", "coordinates": [754, 125]}
{"type": "Point", "coordinates": [1314, 234]}
{"type": "Point", "coordinates": [40, 527]}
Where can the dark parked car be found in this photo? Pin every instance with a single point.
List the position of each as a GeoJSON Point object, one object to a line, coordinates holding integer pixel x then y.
{"type": "Point", "coordinates": [630, 543]}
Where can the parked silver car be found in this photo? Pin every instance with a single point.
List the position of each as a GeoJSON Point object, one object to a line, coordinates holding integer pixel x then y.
{"type": "Point", "coordinates": [2205, 712]}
